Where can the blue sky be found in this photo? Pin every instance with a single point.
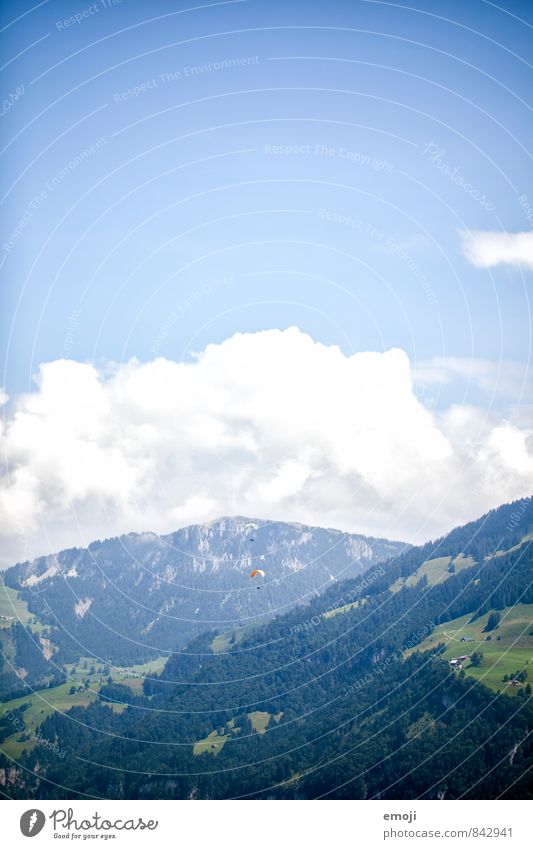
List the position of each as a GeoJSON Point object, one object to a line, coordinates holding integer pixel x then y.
{"type": "Point", "coordinates": [173, 176]}
{"type": "Point", "coordinates": [381, 82]}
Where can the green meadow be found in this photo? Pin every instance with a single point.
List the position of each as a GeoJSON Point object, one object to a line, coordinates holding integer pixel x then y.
{"type": "Point", "coordinates": [510, 647]}
{"type": "Point", "coordinates": [353, 605]}
{"type": "Point", "coordinates": [435, 570]}
{"type": "Point", "coordinates": [214, 742]}
{"type": "Point", "coordinates": [12, 607]}
{"type": "Point", "coordinates": [42, 703]}
{"type": "Point", "coordinates": [229, 639]}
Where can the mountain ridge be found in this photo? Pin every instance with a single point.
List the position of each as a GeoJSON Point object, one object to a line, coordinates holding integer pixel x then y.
{"type": "Point", "coordinates": [151, 593]}
{"type": "Point", "coordinates": [311, 705]}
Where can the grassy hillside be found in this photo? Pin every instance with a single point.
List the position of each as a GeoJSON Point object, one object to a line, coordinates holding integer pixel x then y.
{"type": "Point", "coordinates": [363, 716]}
{"type": "Point", "coordinates": [526, 538]}
{"type": "Point", "coordinates": [436, 570]}
{"type": "Point", "coordinates": [42, 703]}
{"type": "Point", "coordinates": [229, 639]}
{"type": "Point", "coordinates": [214, 742]}
{"type": "Point", "coordinates": [12, 607]}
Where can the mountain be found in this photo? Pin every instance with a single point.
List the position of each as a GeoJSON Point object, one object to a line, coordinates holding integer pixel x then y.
{"type": "Point", "coordinates": [337, 699]}
{"type": "Point", "coordinates": [128, 599]}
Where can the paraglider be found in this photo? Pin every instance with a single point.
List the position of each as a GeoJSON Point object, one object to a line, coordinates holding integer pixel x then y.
{"type": "Point", "coordinates": [257, 573]}
{"type": "Point", "coordinates": [248, 529]}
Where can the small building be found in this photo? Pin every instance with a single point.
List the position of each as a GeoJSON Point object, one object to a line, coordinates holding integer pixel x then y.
{"type": "Point", "coordinates": [457, 662]}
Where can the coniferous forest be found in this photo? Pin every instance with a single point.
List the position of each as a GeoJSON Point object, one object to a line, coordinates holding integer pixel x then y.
{"type": "Point", "coordinates": [345, 696]}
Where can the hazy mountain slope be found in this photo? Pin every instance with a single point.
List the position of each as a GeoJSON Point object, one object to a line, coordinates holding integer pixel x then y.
{"type": "Point", "coordinates": [136, 596]}
{"type": "Point", "coordinates": [312, 704]}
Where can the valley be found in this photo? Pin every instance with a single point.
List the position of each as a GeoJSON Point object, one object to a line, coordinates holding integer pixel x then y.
{"type": "Point", "coordinates": [417, 659]}
{"type": "Point", "coordinates": [84, 682]}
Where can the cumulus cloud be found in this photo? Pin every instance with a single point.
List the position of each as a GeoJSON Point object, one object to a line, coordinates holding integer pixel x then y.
{"type": "Point", "coordinates": [512, 380]}
{"type": "Point", "coordinates": [269, 424]}
{"type": "Point", "coordinates": [486, 249]}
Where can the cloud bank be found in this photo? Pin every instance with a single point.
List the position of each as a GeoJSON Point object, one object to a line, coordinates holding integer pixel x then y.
{"type": "Point", "coordinates": [513, 380]}
{"type": "Point", "coordinates": [269, 424]}
{"type": "Point", "coordinates": [486, 249]}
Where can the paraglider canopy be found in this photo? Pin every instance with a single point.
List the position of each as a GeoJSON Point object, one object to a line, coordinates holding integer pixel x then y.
{"type": "Point", "coordinates": [257, 572]}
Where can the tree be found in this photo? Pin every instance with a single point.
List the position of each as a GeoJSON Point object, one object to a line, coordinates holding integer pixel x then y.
{"type": "Point", "coordinates": [493, 621]}
{"type": "Point", "coordinates": [477, 658]}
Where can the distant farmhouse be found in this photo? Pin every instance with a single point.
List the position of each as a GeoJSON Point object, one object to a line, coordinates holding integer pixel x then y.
{"type": "Point", "coordinates": [457, 662]}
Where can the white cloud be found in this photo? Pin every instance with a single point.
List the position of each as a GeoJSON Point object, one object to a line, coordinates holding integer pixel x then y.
{"type": "Point", "coordinates": [269, 424]}
{"type": "Point", "coordinates": [504, 378]}
{"type": "Point", "coordinates": [486, 249]}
